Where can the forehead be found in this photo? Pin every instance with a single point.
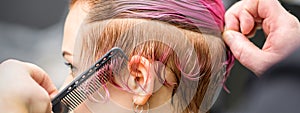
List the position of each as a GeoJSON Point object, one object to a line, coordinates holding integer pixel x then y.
{"type": "Point", "coordinates": [76, 16]}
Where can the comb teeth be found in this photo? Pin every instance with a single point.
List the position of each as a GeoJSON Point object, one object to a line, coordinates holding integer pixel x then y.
{"type": "Point", "coordinates": [90, 86]}
{"type": "Point", "coordinates": [103, 75]}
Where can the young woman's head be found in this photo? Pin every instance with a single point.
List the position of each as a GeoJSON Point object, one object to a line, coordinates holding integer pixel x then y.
{"type": "Point", "coordinates": [177, 60]}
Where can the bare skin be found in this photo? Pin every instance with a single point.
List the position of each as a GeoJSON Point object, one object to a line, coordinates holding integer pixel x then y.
{"type": "Point", "coordinates": [25, 89]}
{"type": "Point", "coordinates": [281, 28]}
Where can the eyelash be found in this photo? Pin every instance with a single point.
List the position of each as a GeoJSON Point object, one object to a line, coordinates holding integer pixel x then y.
{"type": "Point", "coordinates": [71, 67]}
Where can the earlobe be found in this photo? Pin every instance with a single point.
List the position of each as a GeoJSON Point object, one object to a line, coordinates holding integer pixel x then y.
{"type": "Point", "coordinates": [142, 81]}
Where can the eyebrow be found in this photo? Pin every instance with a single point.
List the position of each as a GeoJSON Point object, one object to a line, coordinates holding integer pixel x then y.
{"type": "Point", "coordinates": [64, 53]}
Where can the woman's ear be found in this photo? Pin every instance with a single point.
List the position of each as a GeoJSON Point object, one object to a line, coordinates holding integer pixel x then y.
{"type": "Point", "coordinates": [141, 80]}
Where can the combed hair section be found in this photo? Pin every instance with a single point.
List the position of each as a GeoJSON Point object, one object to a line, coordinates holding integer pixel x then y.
{"type": "Point", "coordinates": [187, 53]}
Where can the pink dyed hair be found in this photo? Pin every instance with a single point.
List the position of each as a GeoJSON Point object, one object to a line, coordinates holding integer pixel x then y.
{"type": "Point", "coordinates": [204, 16]}
{"type": "Point", "coordinates": [195, 15]}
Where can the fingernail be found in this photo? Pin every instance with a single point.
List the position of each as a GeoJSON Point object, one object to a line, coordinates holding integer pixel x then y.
{"type": "Point", "coordinates": [228, 37]}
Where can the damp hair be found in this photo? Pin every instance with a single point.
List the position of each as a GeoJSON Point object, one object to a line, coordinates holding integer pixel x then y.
{"type": "Point", "coordinates": [168, 44]}
{"type": "Point", "coordinates": [210, 55]}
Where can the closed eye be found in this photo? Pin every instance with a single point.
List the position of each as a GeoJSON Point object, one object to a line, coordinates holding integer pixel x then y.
{"type": "Point", "coordinates": [71, 67]}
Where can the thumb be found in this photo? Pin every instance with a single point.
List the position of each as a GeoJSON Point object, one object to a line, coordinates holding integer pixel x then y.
{"type": "Point", "coordinates": [244, 50]}
{"type": "Point", "coordinates": [42, 78]}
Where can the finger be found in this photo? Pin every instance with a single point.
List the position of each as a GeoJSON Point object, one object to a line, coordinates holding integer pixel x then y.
{"type": "Point", "coordinates": [41, 77]}
{"type": "Point", "coordinates": [32, 85]}
{"type": "Point", "coordinates": [231, 18]}
{"type": "Point", "coordinates": [252, 33]}
{"type": "Point", "coordinates": [263, 8]}
{"type": "Point", "coordinates": [40, 105]}
{"type": "Point", "coordinates": [252, 7]}
{"type": "Point", "coordinates": [247, 22]}
{"type": "Point", "coordinates": [244, 50]}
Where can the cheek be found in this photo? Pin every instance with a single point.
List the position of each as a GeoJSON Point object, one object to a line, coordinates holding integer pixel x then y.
{"type": "Point", "coordinates": [82, 108]}
{"type": "Point", "coordinates": [120, 97]}
{"type": "Point", "coordinates": [119, 101]}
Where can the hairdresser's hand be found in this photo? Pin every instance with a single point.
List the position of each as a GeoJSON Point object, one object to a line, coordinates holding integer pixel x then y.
{"type": "Point", "coordinates": [281, 28]}
{"type": "Point", "coordinates": [25, 88]}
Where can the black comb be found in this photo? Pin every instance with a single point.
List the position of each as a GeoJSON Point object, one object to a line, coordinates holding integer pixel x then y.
{"type": "Point", "coordinates": [76, 92]}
